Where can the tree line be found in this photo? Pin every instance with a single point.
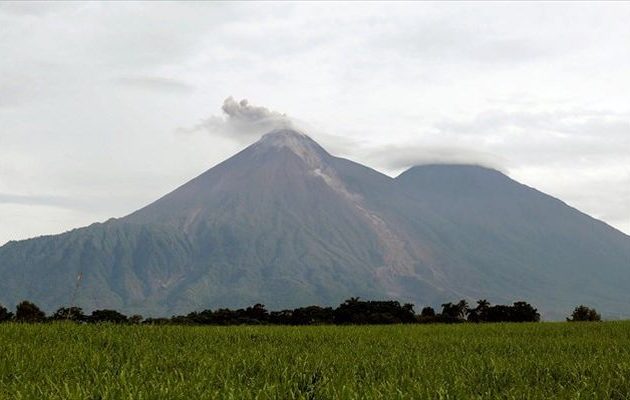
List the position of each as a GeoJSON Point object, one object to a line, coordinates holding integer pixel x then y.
{"type": "Point", "coordinates": [352, 311]}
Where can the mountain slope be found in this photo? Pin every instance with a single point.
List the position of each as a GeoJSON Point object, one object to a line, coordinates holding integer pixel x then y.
{"type": "Point", "coordinates": [511, 241]}
{"type": "Point", "coordinates": [286, 224]}
{"type": "Point", "coordinates": [283, 222]}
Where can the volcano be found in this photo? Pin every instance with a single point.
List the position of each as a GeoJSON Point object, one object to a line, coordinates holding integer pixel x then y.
{"type": "Point", "coordinates": [286, 224]}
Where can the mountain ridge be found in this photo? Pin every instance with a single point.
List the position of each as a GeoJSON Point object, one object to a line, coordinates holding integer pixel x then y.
{"type": "Point", "coordinates": [285, 223]}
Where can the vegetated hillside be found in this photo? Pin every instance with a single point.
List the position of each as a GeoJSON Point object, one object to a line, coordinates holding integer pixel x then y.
{"type": "Point", "coordinates": [286, 224]}
{"type": "Point", "coordinates": [117, 264]}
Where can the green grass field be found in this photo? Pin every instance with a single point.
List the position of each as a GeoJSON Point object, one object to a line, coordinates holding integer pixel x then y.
{"type": "Point", "coordinates": [542, 361]}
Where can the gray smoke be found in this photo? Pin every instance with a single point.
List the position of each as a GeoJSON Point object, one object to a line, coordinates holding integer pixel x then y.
{"type": "Point", "coordinates": [242, 121]}
{"type": "Point", "coordinates": [243, 111]}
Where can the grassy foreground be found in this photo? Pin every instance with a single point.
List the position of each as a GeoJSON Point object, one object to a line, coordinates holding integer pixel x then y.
{"type": "Point", "coordinates": [516, 361]}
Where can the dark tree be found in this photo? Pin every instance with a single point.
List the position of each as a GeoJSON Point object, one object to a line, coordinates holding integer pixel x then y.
{"type": "Point", "coordinates": [454, 312]}
{"type": "Point", "coordinates": [584, 313]}
{"type": "Point", "coordinates": [524, 312]}
{"type": "Point", "coordinates": [135, 319]}
{"type": "Point", "coordinates": [205, 317]}
{"type": "Point", "coordinates": [479, 313]}
{"type": "Point", "coordinates": [257, 314]}
{"type": "Point", "coordinates": [286, 317]}
{"type": "Point", "coordinates": [29, 312]}
{"type": "Point", "coordinates": [224, 316]}
{"type": "Point", "coordinates": [112, 316]}
{"type": "Point", "coordinates": [311, 315]}
{"type": "Point", "coordinates": [354, 311]}
{"type": "Point", "coordinates": [5, 315]}
{"type": "Point", "coordinates": [519, 312]}
{"type": "Point", "coordinates": [427, 316]}
{"type": "Point", "coordinates": [427, 312]}
{"type": "Point", "coordinates": [69, 313]}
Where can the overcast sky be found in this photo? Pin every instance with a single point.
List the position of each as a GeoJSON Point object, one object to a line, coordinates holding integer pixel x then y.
{"type": "Point", "coordinates": [104, 107]}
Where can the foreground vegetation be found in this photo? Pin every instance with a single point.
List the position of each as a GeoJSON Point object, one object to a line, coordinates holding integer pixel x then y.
{"type": "Point", "coordinates": [63, 360]}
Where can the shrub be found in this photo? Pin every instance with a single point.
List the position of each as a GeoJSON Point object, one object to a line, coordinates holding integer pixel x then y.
{"type": "Point", "coordinates": [29, 312]}
{"type": "Point", "coordinates": [584, 313]}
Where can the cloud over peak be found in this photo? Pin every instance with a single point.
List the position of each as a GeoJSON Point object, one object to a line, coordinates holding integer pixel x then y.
{"type": "Point", "coordinates": [243, 111]}
{"type": "Point", "coordinates": [242, 121]}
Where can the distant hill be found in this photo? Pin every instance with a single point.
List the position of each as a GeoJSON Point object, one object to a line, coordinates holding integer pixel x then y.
{"type": "Point", "coordinates": [286, 224]}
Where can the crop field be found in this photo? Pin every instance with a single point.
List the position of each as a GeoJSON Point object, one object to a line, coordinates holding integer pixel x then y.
{"type": "Point", "coordinates": [512, 361]}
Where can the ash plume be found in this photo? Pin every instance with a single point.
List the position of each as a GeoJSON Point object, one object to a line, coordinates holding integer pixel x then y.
{"type": "Point", "coordinates": [242, 121]}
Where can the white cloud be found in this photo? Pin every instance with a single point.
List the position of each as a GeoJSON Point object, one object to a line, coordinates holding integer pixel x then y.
{"type": "Point", "coordinates": [155, 83]}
